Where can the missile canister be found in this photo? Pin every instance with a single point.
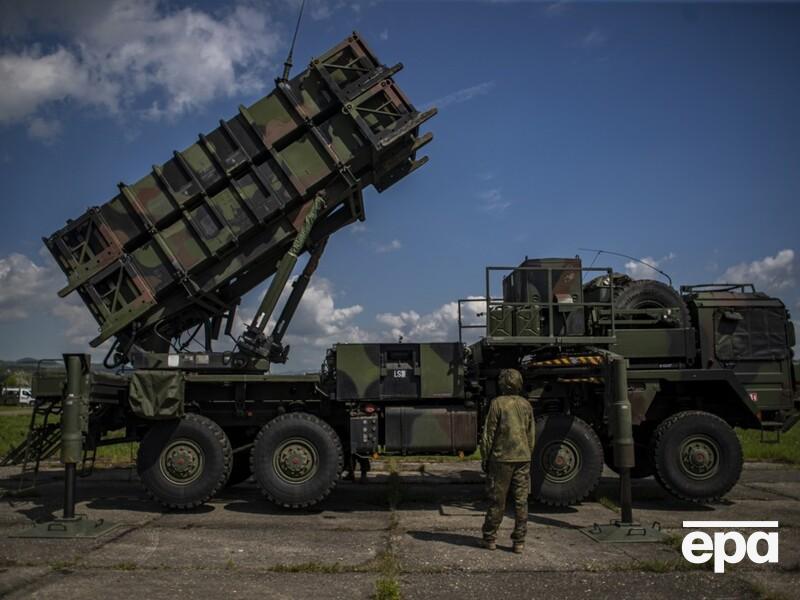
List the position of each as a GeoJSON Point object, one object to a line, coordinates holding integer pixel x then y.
{"type": "Point", "coordinates": [184, 243]}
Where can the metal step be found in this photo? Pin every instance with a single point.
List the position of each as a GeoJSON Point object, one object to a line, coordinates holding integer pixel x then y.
{"type": "Point", "coordinates": [771, 427]}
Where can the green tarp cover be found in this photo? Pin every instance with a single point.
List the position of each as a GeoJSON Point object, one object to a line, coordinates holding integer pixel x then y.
{"type": "Point", "coordinates": [157, 394]}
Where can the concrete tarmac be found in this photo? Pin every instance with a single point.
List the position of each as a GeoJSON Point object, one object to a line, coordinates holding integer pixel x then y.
{"type": "Point", "coordinates": [415, 530]}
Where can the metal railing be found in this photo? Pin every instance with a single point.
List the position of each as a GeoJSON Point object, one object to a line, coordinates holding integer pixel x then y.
{"type": "Point", "coordinates": [744, 288]}
{"type": "Point", "coordinates": [548, 306]}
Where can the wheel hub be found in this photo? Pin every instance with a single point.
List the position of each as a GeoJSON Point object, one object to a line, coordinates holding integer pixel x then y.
{"type": "Point", "coordinates": [182, 462]}
{"type": "Point", "coordinates": [561, 461]}
{"type": "Point", "coordinates": [296, 460]}
{"type": "Point", "coordinates": [699, 457]}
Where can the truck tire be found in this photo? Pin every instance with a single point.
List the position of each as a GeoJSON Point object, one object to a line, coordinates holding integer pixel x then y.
{"type": "Point", "coordinates": [697, 456]}
{"type": "Point", "coordinates": [296, 460]}
{"type": "Point", "coordinates": [567, 460]}
{"type": "Point", "coordinates": [183, 463]}
{"type": "Point", "coordinates": [647, 293]}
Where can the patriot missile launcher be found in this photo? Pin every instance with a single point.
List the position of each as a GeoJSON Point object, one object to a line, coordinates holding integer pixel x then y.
{"type": "Point", "coordinates": [177, 250]}
{"type": "Point", "coordinates": [167, 259]}
{"type": "Point", "coordinates": [630, 373]}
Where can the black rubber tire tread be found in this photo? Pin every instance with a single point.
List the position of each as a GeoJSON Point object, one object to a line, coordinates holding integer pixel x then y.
{"type": "Point", "coordinates": [329, 449]}
{"type": "Point", "coordinates": [671, 431]}
{"type": "Point", "coordinates": [219, 459]}
{"type": "Point", "coordinates": [649, 291]}
{"type": "Point", "coordinates": [557, 427]}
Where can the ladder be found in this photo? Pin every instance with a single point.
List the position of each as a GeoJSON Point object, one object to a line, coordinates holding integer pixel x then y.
{"type": "Point", "coordinates": [771, 427]}
{"type": "Point", "coordinates": [42, 442]}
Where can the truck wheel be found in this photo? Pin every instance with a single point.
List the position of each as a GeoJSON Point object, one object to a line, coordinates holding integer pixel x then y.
{"type": "Point", "coordinates": [297, 460]}
{"type": "Point", "coordinates": [567, 460]}
{"type": "Point", "coordinates": [647, 293]}
{"type": "Point", "coordinates": [697, 456]}
{"type": "Point", "coordinates": [183, 463]}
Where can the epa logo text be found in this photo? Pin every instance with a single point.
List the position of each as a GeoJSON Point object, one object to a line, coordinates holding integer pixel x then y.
{"type": "Point", "coordinates": [759, 547]}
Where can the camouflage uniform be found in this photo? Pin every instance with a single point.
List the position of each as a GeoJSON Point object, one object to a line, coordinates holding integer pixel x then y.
{"type": "Point", "coordinates": [506, 449]}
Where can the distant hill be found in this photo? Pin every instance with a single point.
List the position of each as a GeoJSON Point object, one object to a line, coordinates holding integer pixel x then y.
{"type": "Point", "coordinates": [29, 365]}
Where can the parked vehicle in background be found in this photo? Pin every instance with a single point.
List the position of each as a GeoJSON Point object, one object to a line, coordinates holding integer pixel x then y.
{"type": "Point", "coordinates": [17, 395]}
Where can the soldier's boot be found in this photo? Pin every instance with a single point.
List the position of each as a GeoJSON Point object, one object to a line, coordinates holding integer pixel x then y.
{"type": "Point", "coordinates": [518, 547]}
{"type": "Point", "coordinates": [489, 544]}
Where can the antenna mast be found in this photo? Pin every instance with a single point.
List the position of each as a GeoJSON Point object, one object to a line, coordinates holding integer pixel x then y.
{"type": "Point", "coordinates": [599, 252]}
{"type": "Point", "coordinates": [287, 66]}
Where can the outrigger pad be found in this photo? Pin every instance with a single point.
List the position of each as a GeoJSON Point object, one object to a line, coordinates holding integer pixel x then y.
{"type": "Point", "coordinates": [617, 532]}
{"type": "Point", "coordinates": [77, 527]}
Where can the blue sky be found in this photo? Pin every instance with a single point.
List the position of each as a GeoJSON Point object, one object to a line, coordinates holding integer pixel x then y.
{"type": "Point", "coordinates": [665, 131]}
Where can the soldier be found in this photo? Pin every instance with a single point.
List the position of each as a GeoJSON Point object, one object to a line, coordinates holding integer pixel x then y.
{"type": "Point", "coordinates": [506, 450]}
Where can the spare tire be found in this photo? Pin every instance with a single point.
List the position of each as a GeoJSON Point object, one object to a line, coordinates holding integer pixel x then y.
{"type": "Point", "coordinates": [600, 288]}
{"type": "Point", "coordinates": [647, 293]}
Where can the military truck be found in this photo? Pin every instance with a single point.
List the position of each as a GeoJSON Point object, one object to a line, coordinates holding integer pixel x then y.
{"type": "Point", "coordinates": [164, 264]}
{"type": "Point", "coordinates": [700, 362]}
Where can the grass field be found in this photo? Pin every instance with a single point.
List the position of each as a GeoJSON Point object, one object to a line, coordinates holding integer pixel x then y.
{"type": "Point", "coordinates": [787, 451]}
{"type": "Point", "coordinates": [13, 429]}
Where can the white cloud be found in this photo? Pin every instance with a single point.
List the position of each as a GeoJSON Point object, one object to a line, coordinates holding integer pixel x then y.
{"type": "Point", "coordinates": [637, 270]}
{"type": "Point", "coordinates": [30, 291]}
{"type": "Point", "coordinates": [24, 285]}
{"type": "Point", "coordinates": [384, 35]}
{"type": "Point", "coordinates": [141, 56]}
{"type": "Point", "coordinates": [44, 130]}
{"type": "Point", "coordinates": [463, 95]}
{"type": "Point", "coordinates": [594, 39]}
{"type": "Point", "coordinates": [319, 10]}
{"type": "Point", "coordinates": [390, 247]}
{"type": "Point", "coordinates": [492, 201]}
{"type": "Point", "coordinates": [438, 325]}
{"type": "Point", "coordinates": [771, 273]}
{"type": "Point", "coordinates": [317, 325]}
{"type": "Point", "coordinates": [81, 328]}
{"type": "Point", "coordinates": [33, 79]}
{"type": "Point", "coordinates": [319, 319]}
{"type": "Point", "coordinates": [556, 9]}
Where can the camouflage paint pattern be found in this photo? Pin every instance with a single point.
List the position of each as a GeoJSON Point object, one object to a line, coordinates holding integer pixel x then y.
{"type": "Point", "coordinates": [500, 479]}
{"type": "Point", "coordinates": [509, 432]}
{"type": "Point", "coordinates": [366, 371]}
{"type": "Point", "coordinates": [358, 372]}
{"type": "Point", "coordinates": [437, 429]}
{"type": "Point", "coordinates": [187, 240]}
{"type": "Point", "coordinates": [442, 370]}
